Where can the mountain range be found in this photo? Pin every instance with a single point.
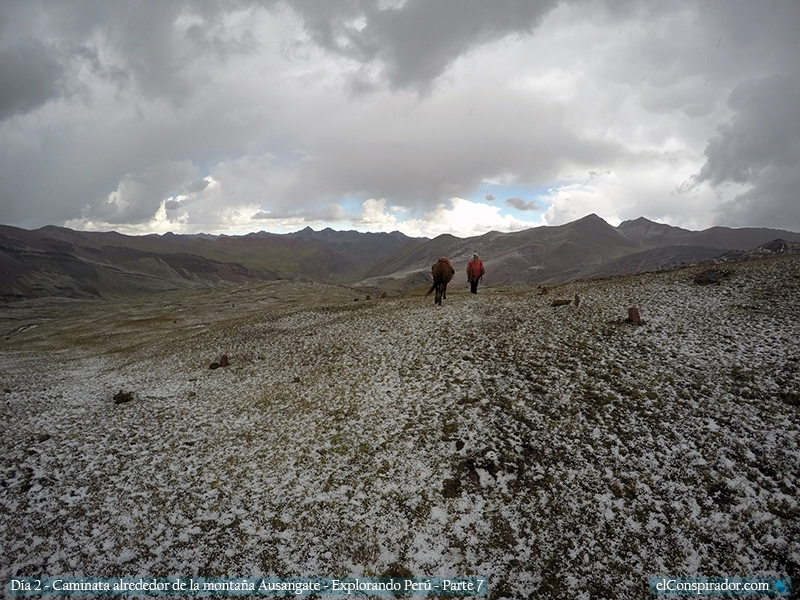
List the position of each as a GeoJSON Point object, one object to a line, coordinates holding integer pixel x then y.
{"type": "Point", "coordinates": [55, 261]}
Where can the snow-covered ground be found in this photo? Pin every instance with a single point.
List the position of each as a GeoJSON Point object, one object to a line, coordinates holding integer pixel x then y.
{"type": "Point", "coordinates": [556, 450]}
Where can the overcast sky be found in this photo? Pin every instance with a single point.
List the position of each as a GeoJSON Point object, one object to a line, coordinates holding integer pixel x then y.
{"type": "Point", "coordinates": [425, 116]}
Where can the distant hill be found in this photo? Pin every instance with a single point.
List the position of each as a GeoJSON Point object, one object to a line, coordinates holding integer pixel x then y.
{"type": "Point", "coordinates": [55, 261]}
{"type": "Point", "coordinates": [588, 247]}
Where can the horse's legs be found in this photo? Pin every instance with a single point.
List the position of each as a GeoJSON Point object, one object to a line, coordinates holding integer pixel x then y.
{"type": "Point", "coordinates": [444, 291]}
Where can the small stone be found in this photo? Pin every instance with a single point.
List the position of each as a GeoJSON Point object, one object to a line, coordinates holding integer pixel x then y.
{"type": "Point", "coordinates": [121, 396]}
{"type": "Point", "coordinates": [451, 488]}
{"type": "Point", "coordinates": [224, 362]}
{"type": "Point", "coordinates": [214, 365]}
{"type": "Point", "coordinates": [633, 315]}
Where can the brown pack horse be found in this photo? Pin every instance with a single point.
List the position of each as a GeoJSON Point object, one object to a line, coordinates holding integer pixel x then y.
{"type": "Point", "coordinates": [442, 273]}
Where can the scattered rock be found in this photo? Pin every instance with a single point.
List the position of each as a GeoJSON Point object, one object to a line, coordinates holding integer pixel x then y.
{"type": "Point", "coordinates": [192, 394]}
{"type": "Point", "coordinates": [543, 291]}
{"type": "Point", "coordinates": [633, 316]}
{"type": "Point", "coordinates": [790, 398]}
{"type": "Point", "coordinates": [710, 277]}
{"type": "Point", "coordinates": [368, 297]}
{"type": "Point", "coordinates": [451, 488]}
{"type": "Point", "coordinates": [383, 295]}
{"type": "Point", "coordinates": [223, 362]}
{"type": "Point", "coordinates": [296, 380]}
{"type": "Point", "coordinates": [577, 300]}
{"type": "Point", "coordinates": [560, 302]}
{"type": "Point", "coordinates": [122, 396]}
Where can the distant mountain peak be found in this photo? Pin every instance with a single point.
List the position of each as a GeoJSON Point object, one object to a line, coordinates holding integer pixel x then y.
{"type": "Point", "coordinates": [643, 222]}
{"type": "Point", "coordinates": [591, 221]}
{"type": "Point", "coordinates": [644, 230]}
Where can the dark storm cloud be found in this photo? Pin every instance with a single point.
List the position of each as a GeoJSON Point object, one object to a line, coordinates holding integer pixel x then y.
{"type": "Point", "coordinates": [417, 41]}
{"type": "Point", "coordinates": [137, 197]}
{"type": "Point", "coordinates": [759, 147]}
{"type": "Point", "coordinates": [197, 186]}
{"type": "Point", "coordinates": [332, 212]}
{"type": "Point", "coordinates": [141, 40]}
{"type": "Point", "coordinates": [765, 131]}
{"type": "Point", "coordinates": [521, 204]}
{"type": "Point", "coordinates": [145, 41]}
{"type": "Point", "coordinates": [31, 75]}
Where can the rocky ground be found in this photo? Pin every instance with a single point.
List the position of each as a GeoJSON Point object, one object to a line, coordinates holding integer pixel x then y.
{"type": "Point", "coordinates": [558, 450]}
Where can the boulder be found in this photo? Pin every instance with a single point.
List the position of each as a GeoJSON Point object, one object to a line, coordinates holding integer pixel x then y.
{"type": "Point", "coordinates": [778, 246]}
{"type": "Point", "coordinates": [706, 278]}
{"type": "Point", "coordinates": [710, 277]}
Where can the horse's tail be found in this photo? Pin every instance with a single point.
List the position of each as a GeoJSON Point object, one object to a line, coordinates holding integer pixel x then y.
{"type": "Point", "coordinates": [433, 287]}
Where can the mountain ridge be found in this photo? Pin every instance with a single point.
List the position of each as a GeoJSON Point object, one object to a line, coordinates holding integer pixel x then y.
{"type": "Point", "coordinates": [57, 261]}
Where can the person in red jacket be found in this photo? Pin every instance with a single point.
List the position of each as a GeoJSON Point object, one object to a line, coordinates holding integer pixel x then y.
{"type": "Point", "coordinates": [474, 273]}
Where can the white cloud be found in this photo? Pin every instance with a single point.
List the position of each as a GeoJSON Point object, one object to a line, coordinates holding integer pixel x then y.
{"type": "Point", "coordinates": [375, 217]}
{"type": "Point", "coordinates": [458, 217]}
